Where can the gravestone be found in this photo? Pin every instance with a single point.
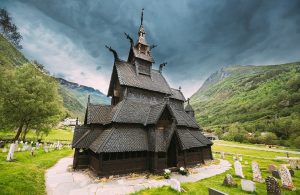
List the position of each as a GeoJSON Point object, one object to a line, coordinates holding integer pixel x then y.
{"type": "Point", "coordinates": [228, 181]}
{"type": "Point", "coordinates": [212, 191]}
{"type": "Point", "coordinates": [222, 155]}
{"type": "Point", "coordinates": [175, 184]}
{"type": "Point", "coordinates": [272, 186]}
{"type": "Point", "coordinates": [246, 162]}
{"type": "Point", "coordinates": [32, 151]}
{"type": "Point", "coordinates": [256, 172]}
{"type": "Point", "coordinates": [292, 172]}
{"type": "Point", "coordinates": [238, 169]}
{"type": "Point", "coordinates": [46, 148]}
{"type": "Point", "coordinates": [293, 164]}
{"type": "Point", "coordinates": [272, 168]}
{"type": "Point", "coordinates": [11, 151]}
{"type": "Point", "coordinates": [248, 185]}
{"type": "Point", "coordinates": [276, 174]}
{"type": "Point", "coordinates": [286, 178]}
{"type": "Point", "coordinates": [298, 164]}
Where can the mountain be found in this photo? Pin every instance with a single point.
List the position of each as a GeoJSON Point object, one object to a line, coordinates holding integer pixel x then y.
{"type": "Point", "coordinates": [251, 99]}
{"type": "Point", "coordinates": [73, 94]}
{"type": "Point", "coordinates": [75, 97]}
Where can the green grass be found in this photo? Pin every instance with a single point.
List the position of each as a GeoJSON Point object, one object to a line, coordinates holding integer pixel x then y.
{"type": "Point", "coordinates": [254, 145]}
{"type": "Point", "coordinates": [25, 175]}
{"type": "Point", "coordinates": [54, 135]}
{"type": "Point", "coordinates": [201, 187]}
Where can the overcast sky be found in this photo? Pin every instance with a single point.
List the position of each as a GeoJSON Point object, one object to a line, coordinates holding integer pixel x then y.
{"type": "Point", "coordinates": [195, 37]}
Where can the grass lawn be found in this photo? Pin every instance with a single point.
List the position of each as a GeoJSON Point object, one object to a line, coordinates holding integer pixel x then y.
{"type": "Point", "coordinates": [254, 145]}
{"type": "Point", "coordinates": [54, 135]}
{"type": "Point", "coordinates": [25, 175]}
{"type": "Point", "coordinates": [201, 187]}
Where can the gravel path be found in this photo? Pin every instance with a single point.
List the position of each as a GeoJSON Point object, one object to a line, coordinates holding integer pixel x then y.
{"type": "Point", "coordinates": [258, 148]}
{"type": "Point", "coordinates": [59, 181]}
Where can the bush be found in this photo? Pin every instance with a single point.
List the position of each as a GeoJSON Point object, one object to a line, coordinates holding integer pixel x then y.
{"type": "Point", "coordinates": [297, 142]}
{"type": "Point", "coordinates": [167, 174]}
{"type": "Point", "coordinates": [268, 138]}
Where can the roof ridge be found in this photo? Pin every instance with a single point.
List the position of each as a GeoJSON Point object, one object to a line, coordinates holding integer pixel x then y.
{"type": "Point", "coordinates": [118, 110]}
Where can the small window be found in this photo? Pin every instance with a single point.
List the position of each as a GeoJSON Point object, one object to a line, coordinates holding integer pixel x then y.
{"type": "Point", "coordinates": [113, 156]}
{"type": "Point", "coordinates": [106, 156]}
{"type": "Point", "coordinates": [139, 154]}
{"type": "Point", "coordinates": [161, 155]}
{"type": "Point", "coordinates": [127, 155]}
{"type": "Point", "coordinates": [120, 155]}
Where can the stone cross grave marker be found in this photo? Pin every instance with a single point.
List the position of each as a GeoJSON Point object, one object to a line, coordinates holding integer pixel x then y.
{"type": "Point", "coordinates": [272, 168]}
{"type": "Point", "coordinates": [272, 186]}
{"type": "Point", "coordinates": [229, 181]}
{"type": "Point", "coordinates": [238, 169]}
{"type": "Point", "coordinates": [286, 178]}
{"type": "Point", "coordinates": [212, 191]}
{"type": "Point", "coordinates": [248, 185]}
{"type": "Point", "coordinates": [293, 164]}
{"type": "Point", "coordinates": [256, 172]}
{"type": "Point", "coordinates": [11, 151]}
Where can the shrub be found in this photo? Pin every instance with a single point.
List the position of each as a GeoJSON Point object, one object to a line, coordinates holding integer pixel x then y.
{"type": "Point", "coordinates": [183, 171]}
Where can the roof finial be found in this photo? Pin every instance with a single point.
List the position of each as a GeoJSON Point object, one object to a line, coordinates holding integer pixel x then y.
{"type": "Point", "coordinates": [161, 66]}
{"type": "Point", "coordinates": [142, 17]}
{"type": "Point", "coordinates": [89, 98]}
{"type": "Point", "coordinates": [188, 100]}
{"type": "Point", "coordinates": [179, 88]}
{"type": "Point", "coordinates": [114, 52]}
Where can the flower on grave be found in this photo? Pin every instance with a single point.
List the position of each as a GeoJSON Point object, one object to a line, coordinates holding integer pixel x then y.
{"type": "Point", "coordinates": [183, 171]}
{"type": "Point", "coordinates": [167, 173]}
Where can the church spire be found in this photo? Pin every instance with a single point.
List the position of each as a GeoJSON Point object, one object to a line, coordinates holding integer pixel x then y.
{"type": "Point", "coordinates": [142, 39]}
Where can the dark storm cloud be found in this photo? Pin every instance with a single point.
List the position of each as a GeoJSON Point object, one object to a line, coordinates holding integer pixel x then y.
{"type": "Point", "coordinates": [194, 37]}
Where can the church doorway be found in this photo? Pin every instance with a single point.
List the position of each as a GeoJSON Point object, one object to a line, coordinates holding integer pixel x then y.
{"type": "Point", "coordinates": [172, 153]}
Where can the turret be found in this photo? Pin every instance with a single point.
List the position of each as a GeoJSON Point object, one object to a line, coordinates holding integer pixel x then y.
{"type": "Point", "coordinates": [188, 109]}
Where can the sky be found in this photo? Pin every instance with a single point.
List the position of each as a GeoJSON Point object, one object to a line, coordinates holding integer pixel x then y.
{"type": "Point", "coordinates": [195, 37]}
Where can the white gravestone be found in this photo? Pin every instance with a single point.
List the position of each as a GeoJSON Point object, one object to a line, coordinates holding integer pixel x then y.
{"type": "Point", "coordinates": [256, 172]}
{"type": "Point", "coordinates": [248, 185]}
{"type": "Point", "coordinates": [241, 158]}
{"type": "Point", "coordinates": [293, 164]}
{"type": "Point", "coordinates": [238, 169]}
{"type": "Point", "coordinates": [286, 178]}
{"type": "Point", "coordinates": [175, 184]}
{"type": "Point", "coordinates": [10, 154]}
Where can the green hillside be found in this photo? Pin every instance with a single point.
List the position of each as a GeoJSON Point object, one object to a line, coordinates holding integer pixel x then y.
{"type": "Point", "coordinates": [250, 99]}
{"type": "Point", "coordinates": [74, 95]}
{"type": "Point", "coordinates": [9, 55]}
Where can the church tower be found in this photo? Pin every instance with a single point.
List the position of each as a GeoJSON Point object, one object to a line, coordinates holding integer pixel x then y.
{"type": "Point", "coordinates": [140, 53]}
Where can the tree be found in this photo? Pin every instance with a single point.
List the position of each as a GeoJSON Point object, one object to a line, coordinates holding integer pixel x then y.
{"type": "Point", "coordinates": [29, 100]}
{"type": "Point", "coordinates": [8, 29]}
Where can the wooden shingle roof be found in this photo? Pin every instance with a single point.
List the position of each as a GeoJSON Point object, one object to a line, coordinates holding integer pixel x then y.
{"type": "Point", "coordinates": [127, 76]}
{"type": "Point", "coordinates": [121, 139]}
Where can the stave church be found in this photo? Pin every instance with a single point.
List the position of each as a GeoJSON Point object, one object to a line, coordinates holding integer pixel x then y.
{"type": "Point", "coordinates": [146, 127]}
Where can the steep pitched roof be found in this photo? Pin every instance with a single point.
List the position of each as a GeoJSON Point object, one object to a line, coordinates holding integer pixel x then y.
{"type": "Point", "coordinates": [128, 77]}
{"type": "Point", "coordinates": [190, 140]}
{"type": "Point", "coordinates": [177, 94]}
{"type": "Point", "coordinates": [78, 133]}
{"type": "Point", "coordinates": [121, 139]}
{"type": "Point", "coordinates": [87, 138]}
{"type": "Point", "coordinates": [98, 113]}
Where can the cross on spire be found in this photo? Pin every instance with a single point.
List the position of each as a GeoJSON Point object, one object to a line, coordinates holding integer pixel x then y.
{"type": "Point", "coordinates": [142, 17]}
{"type": "Point", "coordinates": [188, 100]}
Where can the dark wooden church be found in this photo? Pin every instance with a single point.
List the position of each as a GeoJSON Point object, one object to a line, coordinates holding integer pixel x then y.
{"type": "Point", "coordinates": [146, 127]}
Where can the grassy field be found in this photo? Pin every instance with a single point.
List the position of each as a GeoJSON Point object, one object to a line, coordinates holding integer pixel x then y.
{"type": "Point", "coordinates": [54, 135]}
{"type": "Point", "coordinates": [25, 175]}
{"type": "Point", "coordinates": [201, 187]}
{"type": "Point", "coordinates": [254, 145]}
